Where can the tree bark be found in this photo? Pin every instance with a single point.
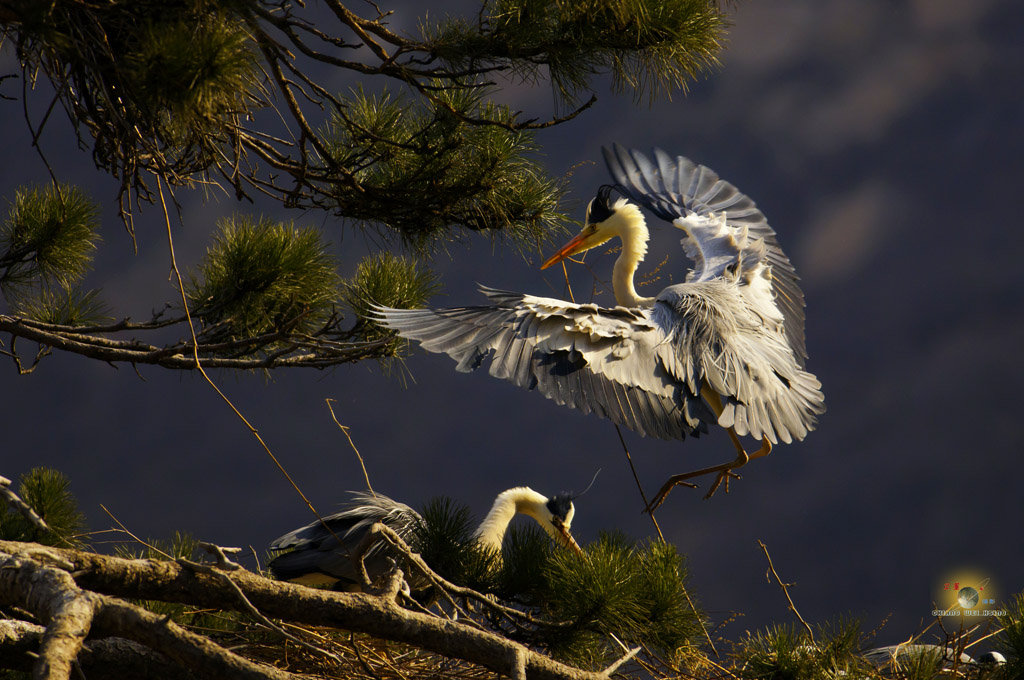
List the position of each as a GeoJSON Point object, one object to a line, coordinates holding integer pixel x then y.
{"type": "Point", "coordinates": [108, 577]}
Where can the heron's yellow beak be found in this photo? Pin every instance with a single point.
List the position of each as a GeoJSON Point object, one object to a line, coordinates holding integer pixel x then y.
{"type": "Point", "coordinates": [577, 245]}
{"type": "Point", "coordinates": [567, 538]}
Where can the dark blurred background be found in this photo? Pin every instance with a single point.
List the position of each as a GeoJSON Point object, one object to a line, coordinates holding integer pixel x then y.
{"type": "Point", "coordinates": [884, 142]}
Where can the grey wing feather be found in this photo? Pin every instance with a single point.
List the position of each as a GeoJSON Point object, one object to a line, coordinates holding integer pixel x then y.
{"type": "Point", "coordinates": [319, 549]}
{"type": "Point", "coordinates": [596, 360]}
{"type": "Point", "coordinates": [764, 390]}
{"type": "Point", "coordinates": [676, 187]}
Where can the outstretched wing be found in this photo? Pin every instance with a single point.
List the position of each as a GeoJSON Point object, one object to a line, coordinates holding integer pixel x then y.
{"type": "Point", "coordinates": [320, 551]}
{"type": "Point", "coordinates": [674, 188]}
{"type": "Point", "coordinates": [612, 362]}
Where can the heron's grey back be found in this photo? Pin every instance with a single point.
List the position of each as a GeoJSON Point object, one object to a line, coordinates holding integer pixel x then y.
{"type": "Point", "coordinates": [319, 549]}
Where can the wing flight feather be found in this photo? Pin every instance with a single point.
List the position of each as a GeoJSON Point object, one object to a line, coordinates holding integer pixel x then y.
{"type": "Point", "coordinates": [596, 360]}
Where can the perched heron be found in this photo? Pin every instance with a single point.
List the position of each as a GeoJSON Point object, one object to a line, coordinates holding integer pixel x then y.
{"type": "Point", "coordinates": [894, 658]}
{"type": "Point", "coordinates": [317, 558]}
{"type": "Point", "coordinates": [726, 346]}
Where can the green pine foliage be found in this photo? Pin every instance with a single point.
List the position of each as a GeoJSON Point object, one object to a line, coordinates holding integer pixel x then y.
{"type": "Point", "coordinates": [419, 168]}
{"type": "Point", "coordinates": [632, 591]}
{"type": "Point", "coordinates": [919, 664]}
{"type": "Point", "coordinates": [61, 307]}
{"type": "Point", "coordinates": [392, 281]}
{"type": "Point", "coordinates": [522, 574]}
{"type": "Point", "coordinates": [648, 46]}
{"type": "Point", "coordinates": [48, 492]}
{"type": "Point", "coordinates": [187, 76]}
{"type": "Point", "coordinates": [785, 652]}
{"type": "Point", "coordinates": [1011, 641]}
{"type": "Point", "coordinates": [155, 83]}
{"type": "Point", "coordinates": [48, 238]}
{"type": "Point", "coordinates": [261, 276]}
{"type": "Point", "coordinates": [444, 539]}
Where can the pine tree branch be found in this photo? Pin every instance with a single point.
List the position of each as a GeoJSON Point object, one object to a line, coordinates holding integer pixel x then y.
{"type": "Point", "coordinates": [112, 577]}
{"type": "Point", "coordinates": [289, 350]}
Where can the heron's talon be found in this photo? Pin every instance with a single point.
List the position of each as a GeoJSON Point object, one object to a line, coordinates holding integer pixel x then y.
{"type": "Point", "coordinates": [723, 476]}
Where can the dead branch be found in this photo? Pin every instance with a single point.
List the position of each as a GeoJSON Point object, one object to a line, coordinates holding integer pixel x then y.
{"type": "Point", "coordinates": [107, 659]}
{"type": "Point", "coordinates": [36, 579]}
{"type": "Point", "coordinates": [104, 578]}
{"type": "Point", "coordinates": [785, 590]}
{"type": "Point", "coordinates": [20, 506]}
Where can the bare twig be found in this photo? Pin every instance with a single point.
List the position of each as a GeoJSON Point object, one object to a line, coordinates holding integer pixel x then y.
{"type": "Point", "coordinates": [640, 487]}
{"type": "Point", "coordinates": [138, 540]}
{"type": "Point", "coordinates": [221, 553]}
{"type": "Point", "coordinates": [785, 590]}
{"type": "Point", "coordinates": [348, 436]}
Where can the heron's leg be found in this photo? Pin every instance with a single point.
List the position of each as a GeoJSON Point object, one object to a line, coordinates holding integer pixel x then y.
{"type": "Point", "coordinates": [742, 459]}
{"type": "Point", "coordinates": [725, 470]}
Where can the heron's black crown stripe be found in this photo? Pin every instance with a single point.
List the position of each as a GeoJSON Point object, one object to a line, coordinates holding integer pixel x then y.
{"type": "Point", "coordinates": [559, 504]}
{"type": "Point", "coordinates": [601, 206]}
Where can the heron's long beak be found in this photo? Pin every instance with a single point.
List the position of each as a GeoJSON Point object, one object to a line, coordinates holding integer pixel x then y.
{"type": "Point", "coordinates": [577, 245]}
{"type": "Point", "coordinates": [567, 538]}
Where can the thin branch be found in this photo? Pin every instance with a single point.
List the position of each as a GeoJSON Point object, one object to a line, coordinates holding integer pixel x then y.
{"type": "Point", "coordinates": [607, 672]}
{"type": "Point", "coordinates": [643, 496]}
{"type": "Point", "coordinates": [785, 590]}
{"type": "Point", "coordinates": [344, 430]}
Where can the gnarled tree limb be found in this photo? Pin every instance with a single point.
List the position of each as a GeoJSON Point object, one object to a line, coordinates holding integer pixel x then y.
{"type": "Point", "coordinates": [375, 615]}
{"type": "Point", "coordinates": [35, 579]}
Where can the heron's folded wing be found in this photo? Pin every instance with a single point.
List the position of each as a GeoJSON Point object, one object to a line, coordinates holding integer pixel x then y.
{"type": "Point", "coordinates": [597, 360]}
{"type": "Point", "coordinates": [324, 547]}
{"type": "Point", "coordinates": [674, 188]}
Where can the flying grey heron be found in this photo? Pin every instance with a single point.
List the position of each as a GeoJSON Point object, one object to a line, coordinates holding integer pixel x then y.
{"type": "Point", "coordinates": [726, 346]}
{"type": "Point", "coordinates": [317, 558]}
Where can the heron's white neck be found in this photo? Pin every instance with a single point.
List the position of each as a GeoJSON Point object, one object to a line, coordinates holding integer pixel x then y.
{"type": "Point", "coordinates": [631, 228]}
{"type": "Point", "coordinates": [491, 531]}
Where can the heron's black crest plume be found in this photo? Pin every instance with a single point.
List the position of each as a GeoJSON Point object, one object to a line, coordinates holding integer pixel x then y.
{"type": "Point", "coordinates": [559, 504]}
{"type": "Point", "coordinates": [594, 479]}
{"type": "Point", "coordinates": [600, 208]}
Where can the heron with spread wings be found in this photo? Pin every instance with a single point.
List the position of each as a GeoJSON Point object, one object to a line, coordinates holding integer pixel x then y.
{"type": "Point", "coordinates": [724, 347]}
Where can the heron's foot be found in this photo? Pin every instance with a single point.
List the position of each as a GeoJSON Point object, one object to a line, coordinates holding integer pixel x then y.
{"type": "Point", "coordinates": [673, 481]}
{"type": "Point", "coordinates": [723, 476]}
{"type": "Point", "coordinates": [725, 473]}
